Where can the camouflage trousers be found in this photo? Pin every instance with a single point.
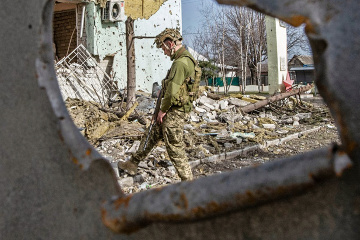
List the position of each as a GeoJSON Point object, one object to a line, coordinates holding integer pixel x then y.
{"type": "Point", "coordinates": [171, 131]}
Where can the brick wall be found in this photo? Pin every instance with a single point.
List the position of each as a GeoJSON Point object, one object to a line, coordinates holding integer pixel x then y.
{"type": "Point", "coordinates": [64, 24]}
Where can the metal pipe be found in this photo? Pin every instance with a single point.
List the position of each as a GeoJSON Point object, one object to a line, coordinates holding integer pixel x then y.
{"type": "Point", "coordinates": [82, 21]}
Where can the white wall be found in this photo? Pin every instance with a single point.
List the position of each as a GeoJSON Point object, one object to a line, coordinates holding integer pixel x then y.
{"type": "Point", "coordinates": [151, 63]}
{"type": "Point", "coordinates": [108, 39]}
{"type": "Point", "coordinates": [277, 53]}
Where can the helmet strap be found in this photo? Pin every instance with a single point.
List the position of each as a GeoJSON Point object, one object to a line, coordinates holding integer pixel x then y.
{"type": "Point", "coordinates": [172, 49]}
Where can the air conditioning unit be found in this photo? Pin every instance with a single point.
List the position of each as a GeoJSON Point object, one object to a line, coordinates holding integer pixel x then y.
{"type": "Point", "coordinates": [114, 11]}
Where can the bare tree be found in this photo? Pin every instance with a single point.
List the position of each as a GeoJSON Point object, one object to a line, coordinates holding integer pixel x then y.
{"type": "Point", "coordinates": [247, 41]}
{"type": "Point", "coordinates": [236, 36]}
{"type": "Point", "coordinates": [297, 42]}
{"type": "Point", "coordinates": [210, 43]}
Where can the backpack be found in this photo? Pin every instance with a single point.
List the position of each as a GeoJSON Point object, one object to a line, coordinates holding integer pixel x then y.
{"type": "Point", "coordinates": [193, 82]}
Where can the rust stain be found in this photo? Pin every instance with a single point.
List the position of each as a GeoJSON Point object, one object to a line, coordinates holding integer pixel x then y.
{"type": "Point", "coordinates": [250, 196]}
{"type": "Point", "coordinates": [75, 160]}
{"type": "Point", "coordinates": [61, 136]}
{"type": "Point", "coordinates": [113, 223]}
{"type": "Point", "coordinates": [212, 207]}
{"type": "Point", "coordinates": [88, 152]}
{"type": "Point", "coordinates": [309, 28]}
{"type": "Point", "coordinates": [297, 20]}
{"type": "Point", "coordinates": [183, 202]}
{"type": "Point", "coordinates": [311, 176]}
{"type": "Point", "coordinates": [122, 201]}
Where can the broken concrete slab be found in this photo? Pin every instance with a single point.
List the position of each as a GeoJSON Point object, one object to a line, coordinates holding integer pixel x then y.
{"type": "Point", "coordinates": [238, 102]}
{"type": "Point", "coordinates": [205, 100]}
{"type": "Point", "coordinates": [126, 182]}
{"type": "Point", "coordinates": [224, 104]}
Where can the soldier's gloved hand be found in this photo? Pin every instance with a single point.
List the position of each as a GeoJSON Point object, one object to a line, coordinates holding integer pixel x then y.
{"type": "Point", "coordinates": [160, 117]}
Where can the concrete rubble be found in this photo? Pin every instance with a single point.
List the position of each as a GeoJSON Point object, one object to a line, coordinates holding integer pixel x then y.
{"type": "Point", "coordinates": [216, 130]}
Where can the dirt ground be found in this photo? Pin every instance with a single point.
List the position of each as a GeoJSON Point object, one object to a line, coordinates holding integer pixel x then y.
{"type": "Point", "coordinates": [324, 137]}
{"type": "Point", "coordinates": [117, 138]}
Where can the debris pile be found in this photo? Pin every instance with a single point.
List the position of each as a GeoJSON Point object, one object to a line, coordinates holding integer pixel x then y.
{"type": "Point", "coordinates": [80, 76]}
{"type": "Point", "coordinates": [217, 129]}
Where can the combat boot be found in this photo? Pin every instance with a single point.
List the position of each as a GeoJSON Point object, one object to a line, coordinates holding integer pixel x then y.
{"type": "Point", "coordinates": [128, 166]}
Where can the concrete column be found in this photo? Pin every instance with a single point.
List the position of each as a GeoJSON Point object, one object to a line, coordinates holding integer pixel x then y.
{"type": "Point", "coordinates": [277, 53]}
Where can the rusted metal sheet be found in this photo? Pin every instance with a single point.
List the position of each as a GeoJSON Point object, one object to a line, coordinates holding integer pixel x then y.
{"type": "Point", "coordinates": [54, 185]}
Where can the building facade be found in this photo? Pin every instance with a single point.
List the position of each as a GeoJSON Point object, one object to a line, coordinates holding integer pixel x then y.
{"type": "Point", "coordinates": [80, 22]}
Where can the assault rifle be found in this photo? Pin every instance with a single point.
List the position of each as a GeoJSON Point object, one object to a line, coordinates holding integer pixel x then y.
{"type": "Point", "coordinates": [153, 120]}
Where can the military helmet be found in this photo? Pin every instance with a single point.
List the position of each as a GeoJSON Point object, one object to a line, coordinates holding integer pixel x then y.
{"type": "Point", "coordinates": [170, 33]}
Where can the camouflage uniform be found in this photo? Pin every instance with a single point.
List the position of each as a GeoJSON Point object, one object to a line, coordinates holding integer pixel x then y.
{"type": "Point", "coordinates": [172, 128]}
{"type": "Point", "coordinates": [176, 108]}
{"type": "Point", "coordinates": [175, 103]}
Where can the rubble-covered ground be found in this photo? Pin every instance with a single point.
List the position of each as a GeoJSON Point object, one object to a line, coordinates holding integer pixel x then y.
{"type": "Point", "coordinates": [218, 136]}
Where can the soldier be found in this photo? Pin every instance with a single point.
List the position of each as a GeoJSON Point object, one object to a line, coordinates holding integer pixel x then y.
{"type": "Point", "coordinates": [175, 106]}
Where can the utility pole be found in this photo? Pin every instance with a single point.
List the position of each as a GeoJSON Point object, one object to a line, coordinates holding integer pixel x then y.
{"type": "Point", "coordinates": [277, 53]}
{"type": "Point", "coordinates": [130, 51]}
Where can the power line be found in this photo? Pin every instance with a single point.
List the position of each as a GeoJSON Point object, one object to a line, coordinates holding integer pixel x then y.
{"type": "Point", "coordinates": [185, 33]}
{"type": "Point", "coordinates": [190, 1]}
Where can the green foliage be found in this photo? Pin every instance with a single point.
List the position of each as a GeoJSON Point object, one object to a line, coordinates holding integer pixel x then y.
{"type": "Point", "coordinates": [208, 70]}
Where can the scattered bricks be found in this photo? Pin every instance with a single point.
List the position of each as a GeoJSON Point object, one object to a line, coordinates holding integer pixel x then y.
{"type": "Point", "coordinates": [134, 147]}
{"type": "Point", "coordinates": [210, 106]}
{"type": "Point", "coordinates": [269, 126]}
{"type": "Point", "coordinates": [126, 182]}
{"type": "Point", "coordinates": [228, 145]}
{"type": "Point", "coordinates": [143, 165]}
{"type": "Point", "coordinates": [139, 179]}
{"type": "Point", "coordinates": [211, 115]}
{"type": "Point", "coordinates": [189, 127]}
{"type": "Point", "coordinates": [200, 110]}
{"type": "Point", "coordinates": [238, 102]}
{"type": "Point", "coordinates": [224, 104]}
{"type": "Point", "coordinates": [287, 138]}
{"type": "Point", "coordinates": [194, 117]}
{"type": "Point", "coordinates": [296, 121]}
{"type": "Point", "coordinates": [205, 100]}
{"type": "Point", "coordinates": [303, 115]}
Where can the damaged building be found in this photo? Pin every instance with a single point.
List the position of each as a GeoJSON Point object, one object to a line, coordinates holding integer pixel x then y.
{"type": "Point", "coordinates": [55, 185]}
{"type": "Point", "coordinates": [88, 29]}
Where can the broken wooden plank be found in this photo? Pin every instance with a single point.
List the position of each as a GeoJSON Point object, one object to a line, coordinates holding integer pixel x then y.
{"type": "Point", "coordinates": [259, 104]}
{"type": "Point", "coordinates": [127, 114]}
{"type": "Point", "coordinates": [213, 96]}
